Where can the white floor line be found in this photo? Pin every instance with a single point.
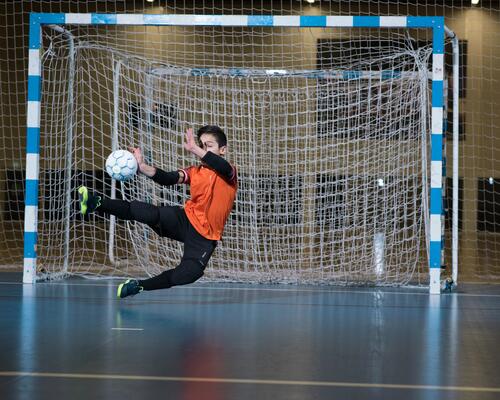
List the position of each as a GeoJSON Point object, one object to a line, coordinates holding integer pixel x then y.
{"type": "Point", "coordinates": [249, 381]}
{"type": "Point", "coordinates": [127, 329]}
{"type": "Point", "coordinates": [415, 290]}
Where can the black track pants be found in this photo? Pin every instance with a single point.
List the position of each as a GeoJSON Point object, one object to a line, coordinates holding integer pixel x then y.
{"type": "Point", "coordinates": [171, 222]}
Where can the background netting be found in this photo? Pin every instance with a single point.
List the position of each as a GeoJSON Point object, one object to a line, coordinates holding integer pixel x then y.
{"type": "Point", "coordinates": [332, 162]}
{"type": "Point", "coordinates": [477, 27]}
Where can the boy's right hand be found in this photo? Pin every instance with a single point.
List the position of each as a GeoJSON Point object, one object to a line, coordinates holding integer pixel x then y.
{"type": "Point", "coordinates": [143, 168]}
{"type": "Point", "coordinates": [136, 151]}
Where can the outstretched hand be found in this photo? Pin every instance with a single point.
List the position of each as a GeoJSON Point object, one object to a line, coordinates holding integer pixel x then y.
{"type": "Point", "coordinates": [136, 151]}
{"type": "Point", "coordinates": [190, 143]}
{"type": "Point", "coordinates": [191, 146]}
{"type": "Point", "coordinates": [145, 169]}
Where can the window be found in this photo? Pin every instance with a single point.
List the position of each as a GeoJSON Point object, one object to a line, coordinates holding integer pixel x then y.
{"type": "Point", "coordinates": [163, 116]}
{"type": "Point", "coordinates": [366, 109]}
{"type": "Point", "coordinates": [330, 203]}
{"type": "Point", "coordinates": [14, 195]}
{"type": "Point", "coordinates": [488, 205]}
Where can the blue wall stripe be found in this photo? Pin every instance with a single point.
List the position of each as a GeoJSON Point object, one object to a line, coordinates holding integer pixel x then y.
{"type": "Point", "coordinates": [366, 21]}
{"type": "Point", "coordinates": [436, 147]}
{"type": "Point", "coordinates": [260, 20]}
{"type": "Point", "coordinates": [109, 19]}
{"type": "Point", "coordinates": [31, 197]}
{"type": "Point", "coordinates": [437, 93]}
{"type": "Point", "coordinates": [29, 244]}
{"type": "Point", "coordinates": [34, 88]}
{"type": "Point", "coordinates": [435, 254]}
{"type": "Point", "coordinates": [33, 140]}
{"type": "Point", "coordinates": [436, 201]}
{"type": "Point", "coordinates": [313, 20]}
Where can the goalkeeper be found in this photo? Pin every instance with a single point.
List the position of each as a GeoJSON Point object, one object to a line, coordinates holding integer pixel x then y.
{"type": "Point", "coordinates": [198, 224]}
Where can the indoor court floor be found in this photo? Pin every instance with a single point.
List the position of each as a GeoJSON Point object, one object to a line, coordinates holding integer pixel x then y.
{"type": "Point", "coordinates": [74, 340]}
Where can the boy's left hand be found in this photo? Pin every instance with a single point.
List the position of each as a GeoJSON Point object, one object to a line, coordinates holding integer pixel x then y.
{"type": "Point", "coordinates": [190, 143]}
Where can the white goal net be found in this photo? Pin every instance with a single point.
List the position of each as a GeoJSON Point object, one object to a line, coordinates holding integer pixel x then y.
{"type": "Point", "coordinates": [329, 137]}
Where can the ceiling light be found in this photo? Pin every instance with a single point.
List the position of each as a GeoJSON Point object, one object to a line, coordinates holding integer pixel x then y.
{"type": "Point", "coordinates": [475, 2]}
{"type": "Point", "coordinates": [310, 1]}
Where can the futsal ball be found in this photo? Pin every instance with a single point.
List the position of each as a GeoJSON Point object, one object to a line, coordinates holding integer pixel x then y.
{"type": "Point", "coordinates": [121, 165]}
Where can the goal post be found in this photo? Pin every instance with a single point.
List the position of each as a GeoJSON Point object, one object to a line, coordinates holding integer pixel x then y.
{"type": "Point", "coordinates": [435, 133]}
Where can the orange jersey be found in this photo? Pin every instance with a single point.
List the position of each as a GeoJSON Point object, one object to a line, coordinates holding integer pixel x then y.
{"type": "Point", "coordinates": [212, 199]}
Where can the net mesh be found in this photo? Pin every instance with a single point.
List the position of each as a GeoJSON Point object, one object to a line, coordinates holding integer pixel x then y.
{"type": "Point", "coordinates": [477, 27]}
{"type": "Point", "coordinates": [332, 162]}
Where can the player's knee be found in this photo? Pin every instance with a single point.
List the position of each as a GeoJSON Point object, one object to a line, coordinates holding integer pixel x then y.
{"type": "Point", "coordinates": [188, 271]}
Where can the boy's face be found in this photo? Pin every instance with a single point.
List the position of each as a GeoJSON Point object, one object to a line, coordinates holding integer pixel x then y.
{"type": "Point", "coordinates": [208, 143]}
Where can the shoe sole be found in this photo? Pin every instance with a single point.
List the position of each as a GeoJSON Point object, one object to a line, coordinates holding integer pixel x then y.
{"type": "Point", "coordinates": [83, 196]}
{"type": "Point", "coordinates": [120, 287]}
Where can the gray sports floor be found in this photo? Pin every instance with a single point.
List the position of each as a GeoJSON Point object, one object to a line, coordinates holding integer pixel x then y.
{"type": "Point", "coordinates": [75, 340]}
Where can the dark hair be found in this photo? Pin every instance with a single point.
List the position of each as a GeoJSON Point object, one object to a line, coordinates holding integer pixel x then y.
{"type": "Point", "coordinates": [215, 131]}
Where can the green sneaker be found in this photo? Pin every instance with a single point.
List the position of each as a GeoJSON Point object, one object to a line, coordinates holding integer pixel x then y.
{"type": "Point", "coordinates": [88, 202]}
{"type": "Point", "coordinates": [128, 288]}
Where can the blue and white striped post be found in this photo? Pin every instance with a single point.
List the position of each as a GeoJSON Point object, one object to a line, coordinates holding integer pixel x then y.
{"type": "Point", "coordinates": [34, 86]}
{"type": "Point", "coordinates": [32, 151]}
{"type": "Point", "coordinates": [436, 200]}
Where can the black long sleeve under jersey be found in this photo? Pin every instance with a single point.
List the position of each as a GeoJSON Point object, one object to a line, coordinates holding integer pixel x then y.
{"type": "Point", "coordinates": [217, 163]}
